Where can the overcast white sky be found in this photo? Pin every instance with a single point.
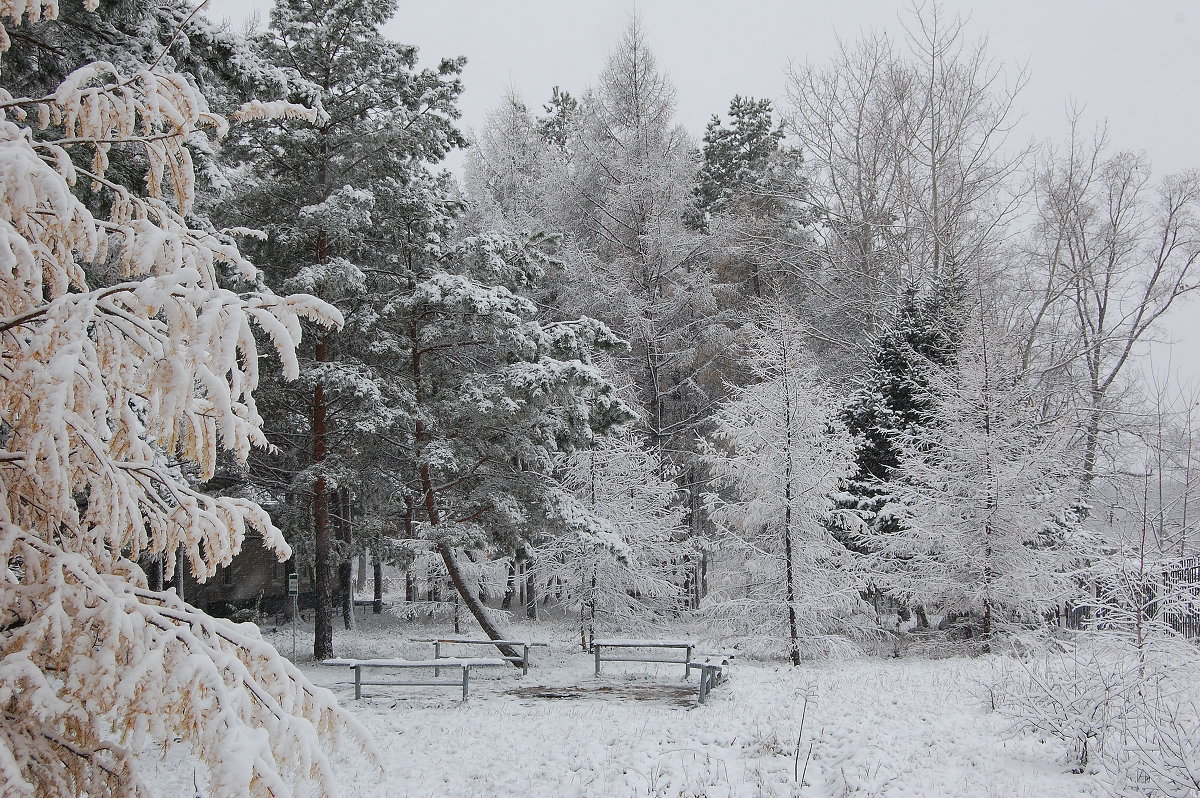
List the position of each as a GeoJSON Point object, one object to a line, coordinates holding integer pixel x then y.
{"type": "Point", "coordinates": [1134, 65]}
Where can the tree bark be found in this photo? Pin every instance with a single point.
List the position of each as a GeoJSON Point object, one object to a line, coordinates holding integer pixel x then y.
{"type": "Point", "coordinates": [377, 607]}
{"type": "Point", "coordinates": [322, 542]}
{"type": "Point", "coordinates": [531, 610]}
{"type": "Point", "coordinates": [510, 589]}
{"type": "Point", "coordinates": [465, 593]}
{"type": "Point", "coordinates": [345, 575]}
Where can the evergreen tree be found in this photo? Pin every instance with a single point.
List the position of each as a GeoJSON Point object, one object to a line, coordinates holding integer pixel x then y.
{"type": "Point", "coordinates": [736, 158]}
{"type": "Point", "coordinates": [895, 400]}
{"type": "Point", "coordinates": [561, 113]}
{"type": "Point", "coordinates": [344, 204]}
{"type": "Point", "coordinates": [492, 397]}
{"type": "Point", "coordinates": [976, 495]}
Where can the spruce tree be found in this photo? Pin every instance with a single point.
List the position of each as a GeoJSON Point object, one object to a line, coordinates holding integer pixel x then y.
{"type": "Point", "coordinates": [895, 400]}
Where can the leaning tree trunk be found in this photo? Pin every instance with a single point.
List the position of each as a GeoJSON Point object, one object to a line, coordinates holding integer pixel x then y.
{"type": "Point", "coordinates": [465, 593]}
{"type": "Point", "coordinates": [471, 601]}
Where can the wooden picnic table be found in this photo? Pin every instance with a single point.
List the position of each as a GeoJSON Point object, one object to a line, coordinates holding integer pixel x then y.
{"type": "Point", "coordinates": [464, 664]}
{"type": "Point", "coordinates": [686, 646]}
{"type": "Point", "coordinates": [523, 658]}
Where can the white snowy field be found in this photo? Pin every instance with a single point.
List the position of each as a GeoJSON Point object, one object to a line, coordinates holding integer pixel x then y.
{"type": "Point", "coordinates": [872, 727]}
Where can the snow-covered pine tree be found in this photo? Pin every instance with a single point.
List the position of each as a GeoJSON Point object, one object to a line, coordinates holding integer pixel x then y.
{"type": "Point", "coordinates": [975, 494]}
{"type": "Point", "coordinates": [344, 204]}
{"type": "Point", "coordinates": [625, 573]}
{"type": "Point", "coordinates": [124, 363]}
{"type": "Point", "coordinates": [493, 396]}
{"type": "Point", "coordinates": [776, 453]}
{"type": "Point", "coordinates": [736, 158]}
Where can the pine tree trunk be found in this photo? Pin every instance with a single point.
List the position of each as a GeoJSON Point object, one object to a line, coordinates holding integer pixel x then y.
{"type": "Point", "coordinates": [510, 589]}
{"type": "Point", "coordinates": [377, 567]}
{"type": "Point", "coordinates": [345, 575]}
{"type": "Point", "coordinates": [452, 567]}
{"type": "Point", "coordinates": [477, 609]}
{"type": "Point", "coordinates": [156, 573]}
{"type": "Point", "coordinates": [360, 573]}
{"type": "Point", "coordinates": [322, 542]}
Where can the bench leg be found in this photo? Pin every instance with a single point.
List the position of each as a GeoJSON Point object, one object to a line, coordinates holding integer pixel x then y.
{"type": "Point", "coordinates": [357, 683]}
{"type": "Point", "coordinates": [466, 675]}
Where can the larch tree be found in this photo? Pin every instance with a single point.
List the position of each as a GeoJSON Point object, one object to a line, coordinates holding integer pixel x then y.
{"type": "Point", "coordinates": [625, 572]}
{"type": "Point", "coordinates": [776, 453]}
{"type": "Point", "coordinates": [981, 518]}
{"type": "Point", "coordinates": [126, 364]}
{"type": "Point", "coordinates": [616, 173]}
{"type": "Point", "coordinates": [325, 194]}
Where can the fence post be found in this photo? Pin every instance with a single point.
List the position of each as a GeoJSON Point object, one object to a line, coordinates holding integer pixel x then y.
{"type": "Point", "coordinates": [357, 682]}
{"type": "Point", "coordinates": [596, 651]}
{"type": "Point", "coordinates": [437, 654]}
{"type": "Point", "coordinates": [466, 675]}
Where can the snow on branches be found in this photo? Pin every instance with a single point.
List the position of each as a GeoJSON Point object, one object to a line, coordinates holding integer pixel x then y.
{"type": "Point", "coordinates": [776, 453]}
{"type": "Point", "coordinates": [124, 362]}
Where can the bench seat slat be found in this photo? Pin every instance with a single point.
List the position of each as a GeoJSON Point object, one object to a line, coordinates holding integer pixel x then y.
{"type": "Point", "coordinates": [643, 644]}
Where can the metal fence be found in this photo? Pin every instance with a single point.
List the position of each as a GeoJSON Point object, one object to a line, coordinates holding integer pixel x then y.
{"type": "Point", "coordinates": [1170, 596]}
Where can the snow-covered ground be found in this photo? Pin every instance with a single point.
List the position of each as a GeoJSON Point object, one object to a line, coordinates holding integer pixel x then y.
{"type": "Point", "coordinates": [917, 727]}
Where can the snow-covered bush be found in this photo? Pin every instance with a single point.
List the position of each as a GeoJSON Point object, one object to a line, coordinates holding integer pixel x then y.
{"type": "Point", "coordinates": [1080, 698]}
{"type": "Point", "coordinates": [1123, 710]}
{"type": "Point", "coordinates": [123, 363]}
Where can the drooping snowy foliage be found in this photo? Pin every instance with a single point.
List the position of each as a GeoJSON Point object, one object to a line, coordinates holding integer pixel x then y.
{"type": "Point", "coordinates": [776, 454]}
{"type": "Point", "coordinates": [124, 365]}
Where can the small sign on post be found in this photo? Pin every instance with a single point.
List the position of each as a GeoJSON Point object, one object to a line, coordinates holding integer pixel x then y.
{"type": "Point", "coordinates": [294, 593]}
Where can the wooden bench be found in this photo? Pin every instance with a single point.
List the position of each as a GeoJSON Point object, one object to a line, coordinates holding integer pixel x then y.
{"type": "Point", "coordinates": [522, 659]}
{"type": "Point", "coordinates": [464, 665]}
{"type": "Point", "coordinates": [686, 647]}
{"type": "Point", "coordinates": [712, 672]}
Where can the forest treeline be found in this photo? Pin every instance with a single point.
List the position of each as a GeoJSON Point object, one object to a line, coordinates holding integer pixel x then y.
{"type": "Point", "coordinates": [855, 356]}
{"type": "Point", "coordinates": [854, 353]}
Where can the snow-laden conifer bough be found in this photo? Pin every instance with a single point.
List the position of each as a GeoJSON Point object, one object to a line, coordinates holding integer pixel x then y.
{"type": "Point", "coordinates": [123, 358]}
